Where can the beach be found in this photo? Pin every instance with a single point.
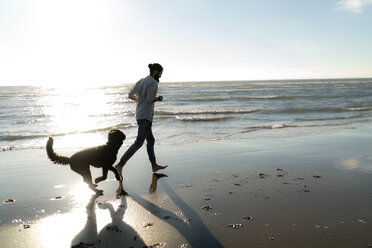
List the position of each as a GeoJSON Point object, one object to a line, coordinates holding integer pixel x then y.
{"type": "Point", "coordinates": [281, 163]}
{"type": "Point", "coordinates": [257, 117]}
{"type": "Point", "coordinates": [309, 191]}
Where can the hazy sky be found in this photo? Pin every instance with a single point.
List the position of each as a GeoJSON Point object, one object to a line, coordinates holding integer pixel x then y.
{"type": "Point", "coordinates": [90, 42]}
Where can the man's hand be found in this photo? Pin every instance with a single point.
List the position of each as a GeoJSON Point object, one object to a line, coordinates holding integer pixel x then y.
{"type": "Point", "coordinates": [158, 99]}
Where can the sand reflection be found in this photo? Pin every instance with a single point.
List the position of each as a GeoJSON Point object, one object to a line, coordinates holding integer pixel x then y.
{"type": "Point", "coordinates": [129, 221]}
{"type": "Point", "coordinates": [81, 194]}
{"type": "Point", "coordinates": [115, 233]}
{"type": "Point", "coordinates": [177, 231]}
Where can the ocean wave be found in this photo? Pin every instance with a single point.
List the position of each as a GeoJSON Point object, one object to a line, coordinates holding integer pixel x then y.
{"type": "Point", "coordinates": [21, 137]}
{"type": "Point", "coordinates": [210, 99]}
{"type": "Point", "coordinates": [39, 136]}
{"type": "Point", "coordinates": [194, 85]}
{"type": "Point", "coordinates": [7, 95]}
{"type": "Point", "coordinates": [121, 101]}
{"type": "Point", "coordinates": [124, 86]}
{"type": "Point", "coordinates": [117, 93]}
{"type": "Point", "coordinates": [198, 118]}
{"type": "Point", "coordinates": [335, 96]}
{"type": "Point", "coordinates": [315, 125]}
{"type": "Point", "coordinates": [25, 96]}
{"type": "Point", "coordinates": [106, 129]}
{"type": "Point", "coordinates": [357, 109]}
{"type": "Point", "coordinates": [283, 125]}
{"type": "Point", "coordinates": [7, 116]}
{"type": "Point", "coordinates": [206, 112]}
{"type": "Point", "coordinates": [234, 90]}
{"type": "Point", "coordinates": [115, 114]}
{"type": "Point", "coordinates": [7, 148]}
{"type": "Point", "coordinates": [266, 97]}
{"type": "Point", "coordinates": [329, 109]}
{"type": "Point", "coordinates": [333, 118]}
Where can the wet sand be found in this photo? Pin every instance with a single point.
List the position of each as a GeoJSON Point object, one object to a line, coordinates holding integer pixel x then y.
{"type": "Point", "coordinates": [297, 192]}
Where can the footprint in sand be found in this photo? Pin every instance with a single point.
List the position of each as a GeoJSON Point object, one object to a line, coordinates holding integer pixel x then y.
{"type": "Point", "coordinates": [206, 208]}
{"type": "Point", "coordinates": [8, 201]}
{"type": "Point", "coordinates": [248, 218]}
{"type": "Point", "coordinates": [263, 175]}
{"type": "Point", "coordinates": [235, 226]}
{"type": "Point", "coordinates": [148, 224]}
{"type": "Point", "coordinates": [56, 198]}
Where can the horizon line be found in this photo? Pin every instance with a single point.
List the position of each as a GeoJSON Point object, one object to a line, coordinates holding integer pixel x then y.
{"type": "Point", "coordinates": [204, 81]}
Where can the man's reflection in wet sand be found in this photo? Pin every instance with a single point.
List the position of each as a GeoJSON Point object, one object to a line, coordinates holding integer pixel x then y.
{"type": "Point", "coordinates": [154, 182]}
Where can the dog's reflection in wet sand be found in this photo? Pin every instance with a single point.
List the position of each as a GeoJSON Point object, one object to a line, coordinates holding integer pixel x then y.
{"type": "Point", "coordinates": [115, 234]}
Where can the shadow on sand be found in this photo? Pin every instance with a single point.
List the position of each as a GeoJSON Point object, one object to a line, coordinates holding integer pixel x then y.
{"type": "Point", "coordinates": [115, 234]}
{"type": "Point", "coordinates": [119, 234]}
{"type": "Point", "coordinates": [193, 229]}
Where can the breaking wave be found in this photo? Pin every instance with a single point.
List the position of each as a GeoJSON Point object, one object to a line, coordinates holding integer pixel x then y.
{"type": "Point", "coordinates": [206, 112]}
{"type": "Point", "coordinates": [216, 99]}
{"type": "Point", "coordinates": [326, 109]}
{"type": "Point", "coordinates": [282, 125]}
{"type": "Point", "coordinates": [39, 136]}
{"type": "Point", "coordinates": [202, 118]}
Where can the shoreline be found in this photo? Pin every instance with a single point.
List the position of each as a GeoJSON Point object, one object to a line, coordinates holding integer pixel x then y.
{"type": "Point", "coordinates": [281, 192]}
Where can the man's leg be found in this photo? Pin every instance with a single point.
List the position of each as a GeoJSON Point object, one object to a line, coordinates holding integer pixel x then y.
{"type": "Point", "coordinates": [151, 153]}
{"type": "Point", "coordinates": [143, 129]}
{"type": "Point", "coordinates": [150, 147]}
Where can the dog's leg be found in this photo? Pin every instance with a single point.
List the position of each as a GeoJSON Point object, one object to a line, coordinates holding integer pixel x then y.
{"type": "Point", "coordinates": [103, 177]}
{"type": "Point", "coordinates": [87, 177]}
{"type": "Point", "coordinates": [117, 176]}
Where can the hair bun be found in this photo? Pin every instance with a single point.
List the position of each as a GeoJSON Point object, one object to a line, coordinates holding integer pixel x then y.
{"type": "Point", "coordinates": [155, 66]}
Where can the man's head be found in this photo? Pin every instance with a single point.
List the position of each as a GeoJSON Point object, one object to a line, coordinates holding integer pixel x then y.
{"type": "Point", "coordinates": [155, 71]}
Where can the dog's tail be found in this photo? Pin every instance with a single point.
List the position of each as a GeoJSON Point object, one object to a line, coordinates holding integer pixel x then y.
{"type": "Point", "coordinates": [57, 159]}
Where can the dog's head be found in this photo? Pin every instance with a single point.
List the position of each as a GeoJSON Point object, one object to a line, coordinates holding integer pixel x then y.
{"type": "Point", "coordinates": [115, 136]}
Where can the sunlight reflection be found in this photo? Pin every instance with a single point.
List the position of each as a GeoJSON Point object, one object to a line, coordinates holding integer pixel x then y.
{"type": "Point", "coordinates": [351, 164]}
{"type": "Point", "coordinates": [95, 221]}
{"type": "Point", "coordinates": [58, 230]}
{"type": "Point", "coordinates": [74, 112]}
{"type": "Point", "coordinates": [78, 112]}
{"type": "Point", "coordinates": [91, 225]}
{"type": "Point", "coordinates": [81, 194]}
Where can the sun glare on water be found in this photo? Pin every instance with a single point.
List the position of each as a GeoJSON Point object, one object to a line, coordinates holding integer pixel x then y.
{"type": "Point", "coordinates": [76, 112]}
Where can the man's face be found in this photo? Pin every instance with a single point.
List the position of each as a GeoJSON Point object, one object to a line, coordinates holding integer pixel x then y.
{"type": "Point", "coordinates": [157, 75]}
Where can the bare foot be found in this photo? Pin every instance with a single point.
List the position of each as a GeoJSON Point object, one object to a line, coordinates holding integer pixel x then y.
{"type": "Point", "coordinates": [120, 190]}
{"type": "Point", "coordinates": [119, 169]}
{"type": "Point", "coordinates": [156, 167]}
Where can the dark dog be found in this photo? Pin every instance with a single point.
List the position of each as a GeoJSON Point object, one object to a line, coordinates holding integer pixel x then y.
{"type": "Point", "coordinates": [101, 156]}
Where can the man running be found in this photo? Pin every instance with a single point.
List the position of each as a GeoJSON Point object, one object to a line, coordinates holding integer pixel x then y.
{"type": "Point", "coordinates": [144, 94]}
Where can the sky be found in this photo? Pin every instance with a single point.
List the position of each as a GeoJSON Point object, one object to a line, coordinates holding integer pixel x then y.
{"type": "Point", "coordinates": [72, 43]}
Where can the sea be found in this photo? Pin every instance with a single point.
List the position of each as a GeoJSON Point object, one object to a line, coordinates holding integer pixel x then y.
{"type": "Point", "coordinates": [190, 112]}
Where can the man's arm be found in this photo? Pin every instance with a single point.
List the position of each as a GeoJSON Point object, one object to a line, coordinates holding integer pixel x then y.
{"type": "Point", "coordinates": [151, 92]}
{"type": "Point", "coordinates": [132, 97]}
{"type": "Point", "coordinates": [133, 93]}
